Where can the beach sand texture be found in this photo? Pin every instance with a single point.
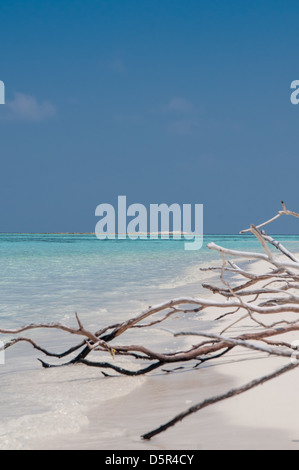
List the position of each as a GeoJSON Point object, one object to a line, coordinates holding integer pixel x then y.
{"type": "Point", "coordinates": [112, 413]}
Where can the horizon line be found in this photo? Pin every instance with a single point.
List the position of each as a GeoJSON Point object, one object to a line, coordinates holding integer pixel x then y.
{"type": "Point", "coordinates": [134, 233]}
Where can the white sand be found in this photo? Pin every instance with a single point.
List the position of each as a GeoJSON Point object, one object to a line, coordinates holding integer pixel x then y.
{"type": "Point", "coordinates": [263, 418]}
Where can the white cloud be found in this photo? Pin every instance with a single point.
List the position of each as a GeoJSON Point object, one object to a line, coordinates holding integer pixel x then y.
{"type": "Point", "coordinates": [129, 118]}
{"type": "Point", "coordinates": [181, 117]}
{"type": "Point", "coordinates": [179, 105]}
{"type": "Point", "coordinates": [118, 66]}
{"type": "Point", "coordinates": [27, 108]}
{"type": "Point", "coordinates": [185, 127]}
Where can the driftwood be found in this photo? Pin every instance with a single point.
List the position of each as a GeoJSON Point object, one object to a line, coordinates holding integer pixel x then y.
{"type": "Point", "coordinates": [270, 295]}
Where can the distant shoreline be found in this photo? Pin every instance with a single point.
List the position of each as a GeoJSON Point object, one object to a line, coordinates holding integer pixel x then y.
{"type": "Point", "coordinates": [94, 233]}
{"type": "Point", "coordinates": [148, 233]}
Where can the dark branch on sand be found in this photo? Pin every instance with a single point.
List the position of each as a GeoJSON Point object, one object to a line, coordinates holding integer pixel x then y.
{"type": "Point", "coordinates": [249, 295]}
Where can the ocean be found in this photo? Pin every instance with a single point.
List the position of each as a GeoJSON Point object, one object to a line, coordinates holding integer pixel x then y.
{"type": "Point", "coordinates": [46, 278]}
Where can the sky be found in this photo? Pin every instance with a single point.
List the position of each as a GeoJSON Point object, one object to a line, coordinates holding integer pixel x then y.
{"type": "Point", "coordinates": [162, 101]}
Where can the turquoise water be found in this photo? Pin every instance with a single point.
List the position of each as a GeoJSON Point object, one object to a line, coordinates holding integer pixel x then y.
{"type": "Point", "coordinates": [47, 277]}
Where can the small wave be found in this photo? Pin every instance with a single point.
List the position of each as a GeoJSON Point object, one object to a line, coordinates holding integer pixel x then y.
{"type": "Point", "coordinates": [55, 401]}
{"type": "Point", "coordinates": [190, 275]}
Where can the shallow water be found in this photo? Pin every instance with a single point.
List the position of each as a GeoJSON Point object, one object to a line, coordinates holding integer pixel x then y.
{"type": "Point", "coordinates": [46, 278]}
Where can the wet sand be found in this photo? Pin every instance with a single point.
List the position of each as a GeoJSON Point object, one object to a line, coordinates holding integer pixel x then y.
{"type": "Point", "coordinates": [262, 418]}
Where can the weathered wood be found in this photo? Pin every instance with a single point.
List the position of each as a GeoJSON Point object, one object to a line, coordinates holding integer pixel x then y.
{"type": "Point", "coordinates": [271, 297]}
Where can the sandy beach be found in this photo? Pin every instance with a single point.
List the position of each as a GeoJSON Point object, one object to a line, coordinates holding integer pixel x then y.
{"type": "Point", "coordinates": [263, 418]}
{"type": "Point", "coordinates": [149, 244]}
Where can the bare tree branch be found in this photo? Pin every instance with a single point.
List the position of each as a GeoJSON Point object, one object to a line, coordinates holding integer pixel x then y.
{"type": "Point", "coordinates": [211, 401]}
{"type": "Point", "coordinates": [243, 295]}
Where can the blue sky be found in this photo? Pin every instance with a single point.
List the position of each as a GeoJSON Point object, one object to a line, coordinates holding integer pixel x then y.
{"type": "Point", "coordinates": [162, 101]}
